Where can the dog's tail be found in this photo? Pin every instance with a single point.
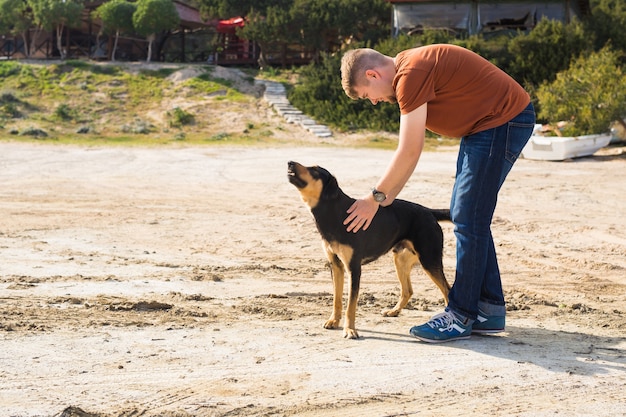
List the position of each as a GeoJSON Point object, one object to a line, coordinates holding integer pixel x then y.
{"type": "Point", "coordinates": [442, 215]}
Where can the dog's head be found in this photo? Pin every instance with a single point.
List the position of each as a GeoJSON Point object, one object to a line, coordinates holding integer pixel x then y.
{"type": "Point", "coordinates": [314, 183]}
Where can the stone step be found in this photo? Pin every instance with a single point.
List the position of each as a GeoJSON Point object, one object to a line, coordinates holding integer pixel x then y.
{"type": "Point", "coordinates": [276, 96]}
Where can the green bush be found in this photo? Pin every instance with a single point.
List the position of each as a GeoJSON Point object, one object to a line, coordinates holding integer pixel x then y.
{"type": "Point", "coordinates": [539, 55]}
{"type": "Point", "coordinates": [320, 95]}
{"type": "Point", "coordinates": [8, 68]}
{"type": "Point", "coordinates": [180, 117]}
{"type": "Point", "coordinates": [590, 94]}
{"type": "Point", "coordinates": [392, 46]}
{"type": "Point", "coordinates": [34, 132]}
{"type": "Point", "coordinates": [10, 110]}
{"type": "Point", "coordinates": [64, 112]}
{"type": "Point", "coordinates": [106, 69]}
{"type": "Point", "coordinates": [495, 48]}
{"type": "Point", "coordinates": [607, 23]}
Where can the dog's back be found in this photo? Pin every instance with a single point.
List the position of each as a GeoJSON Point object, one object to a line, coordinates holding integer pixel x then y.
{"type": "Point", "coordinates": [399, 221]}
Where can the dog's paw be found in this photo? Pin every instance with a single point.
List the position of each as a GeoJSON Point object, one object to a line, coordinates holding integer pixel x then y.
{"type": "Point", "coordinates": [391, 313]}
{"type": "Point", "coordinates": [331, 324]}
{"type": "Point", "coordinates": [350, 333]}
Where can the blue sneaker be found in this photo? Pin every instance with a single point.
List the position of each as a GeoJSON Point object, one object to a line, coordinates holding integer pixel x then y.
{"type": "Point", "coordinates": [442, 327]}
{"type": "Point", "coordinates": [486, 324]}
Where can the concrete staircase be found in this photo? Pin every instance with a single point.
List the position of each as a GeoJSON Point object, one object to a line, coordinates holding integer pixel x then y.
{"type": "Point", "coordinates": [276, 96]}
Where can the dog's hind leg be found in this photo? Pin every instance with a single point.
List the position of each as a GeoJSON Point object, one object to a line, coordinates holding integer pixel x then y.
{"type": "Point", "coordinates": [404, 258]}
{"type": "Point", "coordinates": [337, 273]}
{"type": "Point", "coordinates": [430, 252]}
{"type": "Point", "coordinates": [439, 278]}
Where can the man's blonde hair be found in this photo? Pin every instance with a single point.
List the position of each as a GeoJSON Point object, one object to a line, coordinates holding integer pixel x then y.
{"type": "Point", "coordinates": [354, 63]}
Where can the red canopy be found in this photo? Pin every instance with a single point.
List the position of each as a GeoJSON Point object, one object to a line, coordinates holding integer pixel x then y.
{"type": "Point", "coordinates": [230, 25]}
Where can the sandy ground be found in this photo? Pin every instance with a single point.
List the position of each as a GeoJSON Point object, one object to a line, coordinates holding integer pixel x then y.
{"type": "Point", "coordinates": [191, 282]}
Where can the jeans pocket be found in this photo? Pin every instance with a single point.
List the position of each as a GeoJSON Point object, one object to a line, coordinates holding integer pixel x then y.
{"type": "Point", "coordinates": [517, 137]}
{"type": "Point", "coordinates": [518, 132]}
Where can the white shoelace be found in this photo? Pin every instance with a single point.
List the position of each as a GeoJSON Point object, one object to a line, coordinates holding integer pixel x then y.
{"type": "Point", "coordinates": [445, 319]}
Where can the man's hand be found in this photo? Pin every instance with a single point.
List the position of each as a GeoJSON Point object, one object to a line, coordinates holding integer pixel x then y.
{"type": "Point", "coordinates": [361, 213]}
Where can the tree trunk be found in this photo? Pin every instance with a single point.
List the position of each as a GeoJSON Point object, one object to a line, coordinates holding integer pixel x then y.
{"type": "Point", "coordinates": [26, 45]}
{"type": "Point", "coordinates": [149, 51]}
{"type": "Point", "coordinates": [117, 35]}
{"type": "Point", "coordinates": [150, 41]}
{"type": "Point", "coordinates": [59, 32]}
{"type": "Point", "coordinates": [262, 62]}
{"type": "Point", "coordinates": [33, 42]}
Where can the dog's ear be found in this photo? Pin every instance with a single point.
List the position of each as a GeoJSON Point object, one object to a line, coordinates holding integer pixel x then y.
{"type": "Point", "coordinates": [331, 186]}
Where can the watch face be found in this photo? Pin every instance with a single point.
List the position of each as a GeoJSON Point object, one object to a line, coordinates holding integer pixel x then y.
{"type": "Point", "coordinates": [379, 197]}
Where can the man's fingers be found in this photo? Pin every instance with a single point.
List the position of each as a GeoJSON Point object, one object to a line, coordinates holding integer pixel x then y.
{"type": "Point", "coordinates": [355, 226]}
{"type": "Point", "coordinates": [356, 221]}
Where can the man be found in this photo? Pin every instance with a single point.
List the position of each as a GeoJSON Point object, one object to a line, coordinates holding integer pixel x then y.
{"type": "Point", "coordinates": [452, 92]}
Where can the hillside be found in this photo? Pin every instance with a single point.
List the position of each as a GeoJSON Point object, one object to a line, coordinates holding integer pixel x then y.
{"type": "Point", "coordinates": [137, 102]}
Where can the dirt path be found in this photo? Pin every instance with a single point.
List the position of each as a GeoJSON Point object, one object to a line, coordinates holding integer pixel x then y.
{"type": "Point", "coordinates": [191, 282]}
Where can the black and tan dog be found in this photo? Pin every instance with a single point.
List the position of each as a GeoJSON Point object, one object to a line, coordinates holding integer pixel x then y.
{"type": "Point", "coordinates": [410, 230]}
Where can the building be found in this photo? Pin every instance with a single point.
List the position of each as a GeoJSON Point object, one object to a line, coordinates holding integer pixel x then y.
{"type": "Point", "coordinates": [478, 16]}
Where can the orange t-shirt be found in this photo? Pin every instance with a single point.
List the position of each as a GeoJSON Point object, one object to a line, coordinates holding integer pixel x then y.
{"type": "Point", "coordinates": [465, 92]}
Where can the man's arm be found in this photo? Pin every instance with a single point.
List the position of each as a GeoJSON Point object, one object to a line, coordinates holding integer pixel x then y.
{"type": "Point", "coordinates": [400, 169]}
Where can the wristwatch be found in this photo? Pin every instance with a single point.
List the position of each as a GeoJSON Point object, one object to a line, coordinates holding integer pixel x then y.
{"type": "Point", "coordinates": [379, 196]}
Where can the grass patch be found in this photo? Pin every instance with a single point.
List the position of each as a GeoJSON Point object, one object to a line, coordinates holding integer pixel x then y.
{"type": "Point", "coordinates": [9, 69]}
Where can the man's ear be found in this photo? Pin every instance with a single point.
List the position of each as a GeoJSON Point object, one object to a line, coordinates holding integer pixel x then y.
{"type": "Point", "coordinates": [371, 73]}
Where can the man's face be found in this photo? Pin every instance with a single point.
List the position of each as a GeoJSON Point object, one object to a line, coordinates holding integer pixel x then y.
{"type": "Point", "coordinates": [376, 90]}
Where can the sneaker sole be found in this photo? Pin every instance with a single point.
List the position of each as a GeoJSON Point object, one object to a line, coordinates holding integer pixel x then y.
{"type": "Point", "coordinates": [423, 339]}
{"type": "Point", "coordinates": [487, 331]}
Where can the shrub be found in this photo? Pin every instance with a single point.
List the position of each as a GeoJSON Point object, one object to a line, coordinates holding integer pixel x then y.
{"type": "Point", "coordinates": [539, 55]}
{"type": "Point", "coordinates": [495, 48]}
{"type": "Point", "coordinates": [180, 117]}
{"type": "Point", "coordinates": [7, 97]}
{"type": "Point", "coordinates": [9, 105]}
{"type": "Point", "coordinates": [320, 95]}
{"type": "Point", "coordinates": [34, 131]}
{"type": "Point", "coordinates": [590, 94]}
{"type": "Point", "coordinates": [8, 68]}
{"type": "Point", "coordinates": [138, 127]}
{"type": "Point", "coordinates": [106, 69]}
{"type": "Point", "coordinates": [64, 112]}
{"type": "Point", "coordinates": [10, 110]}
{"type": "Point", "coordinates": [392, 46]}
{"type": "Point", "coordinates": [607, 23]}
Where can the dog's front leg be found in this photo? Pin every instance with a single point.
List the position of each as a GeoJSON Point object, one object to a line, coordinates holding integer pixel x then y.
{"type": "Point", "coordinates": [337, 273]}
{"type": "Point", "coordinates": [349, 327]}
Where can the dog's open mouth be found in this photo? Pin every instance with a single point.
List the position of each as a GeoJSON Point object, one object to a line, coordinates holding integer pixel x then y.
{"type": "Point", "coordinates": [292, 175]}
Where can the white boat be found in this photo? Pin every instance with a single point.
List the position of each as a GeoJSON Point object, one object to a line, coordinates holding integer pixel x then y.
{"type": "Point", "coordinates": [559, 148]}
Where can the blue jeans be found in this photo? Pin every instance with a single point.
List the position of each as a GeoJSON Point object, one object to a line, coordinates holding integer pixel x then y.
{"type": "Point", "coordinates": [485, 158]}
